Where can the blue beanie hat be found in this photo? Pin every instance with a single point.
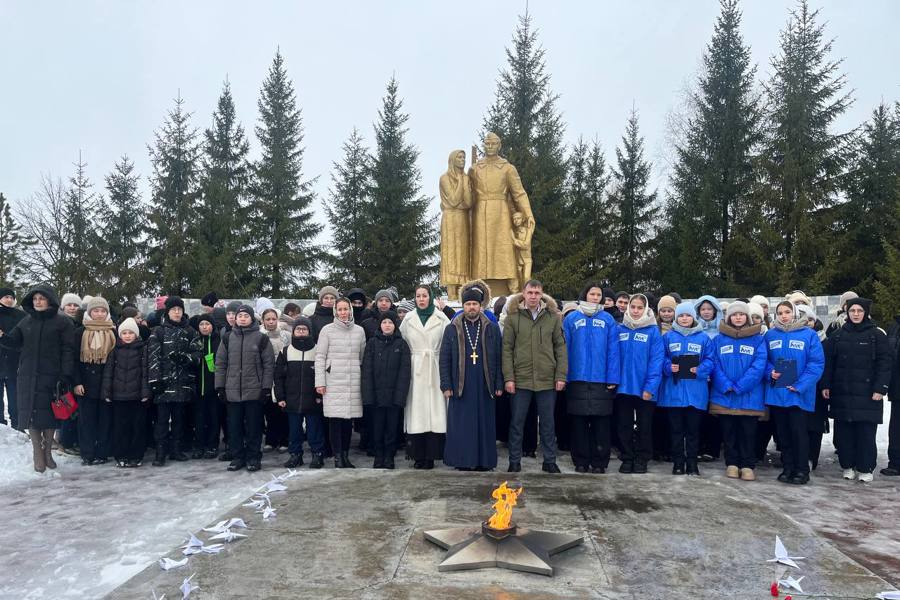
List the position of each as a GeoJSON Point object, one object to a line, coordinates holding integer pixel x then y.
{"type": "Point", "coordinates": [686, 308]}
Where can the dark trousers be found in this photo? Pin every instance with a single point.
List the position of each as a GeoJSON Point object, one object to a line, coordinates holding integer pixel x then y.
{"type": "Point", "coordinates": [245, 423]}
{"type": "Point", "coordinates": [340, 430]}
{"type": "Point", "coordinates": [793, 436]}
{"type": "Point", "coordinates": [894, 436]}
{"type": "Point", "coordinates": [765, 431]}
{"type": "Point", "coordinates": [314, 434]}
{"type": "Point", "coordinates": [129, 428]}
{"type": "Point", "coordinates": [206, 421]}
{"type": "Point", "coordinates": [815, 447]}
{"type": "Point", "coordinates": [385, 425]}
{"type": "Point", "coordinates": [168, 437]}
{"type": "Point", "coordinates": [710, 436]}
{"type": "Point", "coordinates": [276, 424]}
{"type": "Point", "coordinates": [739, 434]}
{"type": "Point", "coordinates": [856, 445]}
{"type": "Point", "coordinates": [9, 384]}
{"type": "Point", "coordinates": [544, 399]}
{"type": "Point", "coordinates": [662, 436]}
{"type": "Point", "coordinates": [562, 422]}
{"type": "Point", "coordinates": [590, 440]}
{"type": "Point", "coordinates": [684, 433]}
{"type": "Point", "coordinates": [94, 427]}
{"type": "Point", "coordinates": [634, 422]}
{"type": "Point", "coordinates": [68, 432]}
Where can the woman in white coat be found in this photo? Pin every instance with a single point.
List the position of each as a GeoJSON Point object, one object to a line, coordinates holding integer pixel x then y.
{"type": "Point", "coordinates": [339, 354]}
{"type": "Point", "coordinates": [425, 415]}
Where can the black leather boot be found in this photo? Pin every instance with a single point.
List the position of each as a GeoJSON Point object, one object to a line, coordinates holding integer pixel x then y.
{"type": "Point", "coordinates": [160, 460]}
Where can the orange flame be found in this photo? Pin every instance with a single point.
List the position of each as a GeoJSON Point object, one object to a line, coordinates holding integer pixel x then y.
{"type": "Point", "coordinates": [505, 500]}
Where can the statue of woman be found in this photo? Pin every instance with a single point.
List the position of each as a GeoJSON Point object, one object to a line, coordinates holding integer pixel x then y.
{"type": "Point", "coordinates": [456, 202]}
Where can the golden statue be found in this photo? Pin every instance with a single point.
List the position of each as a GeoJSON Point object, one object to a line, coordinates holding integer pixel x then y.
{"type": "Point", "coordinates": [456, 203]}
{"type": "Point", "coordinates": [501, 255]}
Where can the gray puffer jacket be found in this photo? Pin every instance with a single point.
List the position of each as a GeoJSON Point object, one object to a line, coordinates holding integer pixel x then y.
{"type": "Point", "coordinates": [339, 354]}
{"type": "Point", "coordinates": [245, 364]}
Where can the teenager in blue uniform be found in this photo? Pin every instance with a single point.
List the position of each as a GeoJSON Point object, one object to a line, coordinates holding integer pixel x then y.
{"type": "Point", "coordinates": [641, 353]}
{"type": "Point", "coordinates": [790, 341]}
{"type": "Point", "coordinates": [684, 397]}
{"type": "Point", "coordinates": [737, 394]}
{"type": "Point", "coordinates": [592, 343]}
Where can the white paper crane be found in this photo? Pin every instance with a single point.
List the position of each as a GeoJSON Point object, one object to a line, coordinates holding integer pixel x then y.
{"type": "Point", "coordinates": [781, 555]}
{"type": "Point", "coordinates": [167, 563]}
{"type": "Point", "coordinates": [186, 587]}
{"type": "Point", "coordinates": [791, 583]}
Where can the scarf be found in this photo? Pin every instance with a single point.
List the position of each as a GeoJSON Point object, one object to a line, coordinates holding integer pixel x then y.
{"type": "Point", "coordinates": [686, 331]}
{"type": "Point", "coordinates": [645, 320]}
{"type": "Point", "coordinates": [303, 344]}
{"type": "Point", "coordinates": [588, 309]}
{"type": "Point", "coordinates": [98, 340]}
{"type": "Point", "coordinates": [425, 313]}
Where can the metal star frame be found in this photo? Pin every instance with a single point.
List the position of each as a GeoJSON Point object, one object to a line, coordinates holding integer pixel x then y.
{"type": "Point", "coordinates": [526, 550]}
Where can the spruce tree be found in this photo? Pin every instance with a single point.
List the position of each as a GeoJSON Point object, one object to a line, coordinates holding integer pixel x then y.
{"type": "Point", "coordinates": [123, 230]}
{"type": "Point", "coordinates": [634, 208]}
{"type": "Point", "coordinates": [803, 159]}
{"type": "Point", "coordinates": [887, 283]}
{"type": "Point", "coordinates": [82, 262]}
{"type": "Point", "coordinates": [859, 228]}
{"type": "Point", "coordinates": [221, 223]}
{"type": "Point", "coordinates": [713, 171]}
{"type": "Point", "coordinates": [13, 244]}
{"type": "Point", "coordinates": [349, 214]}
{"type": "Point", "coordinates": [402, 236]}
{"type": "Point", "coordinates": [525, 116]}
{"type": "Point", "coordinates": [281, 229]}
{"type": "Point", "coordinates": [175, 157]}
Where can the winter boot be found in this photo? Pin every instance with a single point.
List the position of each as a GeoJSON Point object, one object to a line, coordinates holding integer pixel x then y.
{"type": "Point", "coordinates": [37, 445]}
{"type": "Point", "coordinates": [294, 461]}
{"type": "Point", "coordinates": [48, 452]}
{"type": "Point", "coordinates": [345, 461]}
{"type": "Point", "coordinates": [160, 460]}
{"type": "Point", "coordinates": [317, 462]}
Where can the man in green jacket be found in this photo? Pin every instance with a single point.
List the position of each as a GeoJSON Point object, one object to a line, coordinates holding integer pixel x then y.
{"type": "Point", "coordinates": [534, 367]}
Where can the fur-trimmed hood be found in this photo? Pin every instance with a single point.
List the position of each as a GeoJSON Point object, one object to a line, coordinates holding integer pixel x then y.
{"type": "Point", "coordinates": [483, 286]}
{"type": "Point", "coordinates": [517, 302]}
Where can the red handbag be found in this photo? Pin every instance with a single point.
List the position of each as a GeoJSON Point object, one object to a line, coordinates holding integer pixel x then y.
{"type": "Point", "coordinates": [64, 405]}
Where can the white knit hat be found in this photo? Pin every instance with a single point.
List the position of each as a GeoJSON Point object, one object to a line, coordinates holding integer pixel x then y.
{"type": "Point", "coordinates": [70, 298]}
{"type": "Point", "coordinates": [129, 324]}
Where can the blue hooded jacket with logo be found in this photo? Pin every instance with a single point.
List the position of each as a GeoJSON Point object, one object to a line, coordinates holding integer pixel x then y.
{"type": "Point", "coordinates": [740, 364]}
{"type": "Point", "coordinates": [677, 391]}
{"type": "Point", "coordinates": [641, 352]}
{"type": "Point", "coordinates": [593, 347]}
{"type": "Point", "coordinates": [803, 346]}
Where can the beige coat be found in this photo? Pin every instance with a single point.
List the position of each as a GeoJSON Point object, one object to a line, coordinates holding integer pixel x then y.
{"type": "Point", "coordinates": [426, 408]}
{"type": "Point", "coordinates": [339, 354]}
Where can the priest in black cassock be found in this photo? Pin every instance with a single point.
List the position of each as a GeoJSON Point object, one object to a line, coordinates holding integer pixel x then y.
{"type": "Point", "coordinates": [471, 379]}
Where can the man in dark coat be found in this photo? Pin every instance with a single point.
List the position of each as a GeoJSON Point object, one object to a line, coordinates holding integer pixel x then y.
{"type": "Point", "coordinates": [471, 378]}
{"type": "Point", "coordinates": [9, 357]}
{"type": "Point", "coordinates": [893, 468]}
{"type": "Point", "coordinates": [386, 374]}
{"type": "Point", "coordinates": [46, 365]}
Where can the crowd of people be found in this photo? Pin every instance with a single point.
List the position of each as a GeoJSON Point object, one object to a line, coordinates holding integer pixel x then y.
{"type": "Point", "coordinates": [665, 379]}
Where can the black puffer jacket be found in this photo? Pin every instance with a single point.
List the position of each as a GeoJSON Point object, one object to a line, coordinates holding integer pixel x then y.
{"type": "Point", "coordinates": [386, 371]}
{"type": "Point", "coordinates": [126, 374]}
{"type": "Point", "coordinates": [47, 343]}
{"type": "Point", "coordinates": [857, 364]}
{"type": "Point", "coordinates": [173, 355]}
{"type": "Point", "coordinates": [9, 357]}
{"type": "Point", "coordinates": [320, 318]}
{"type": "Point", "coordinates": [295, 378]}
{"type": "Point", "coordinates": [589, 398]}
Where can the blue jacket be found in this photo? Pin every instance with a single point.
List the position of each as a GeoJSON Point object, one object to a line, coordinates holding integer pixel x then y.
{"type": "Point", "coordinates": [641, 352]}
{"type": "Point", "coordinates": [710, 328]}
{"type": "Point", "coordinates": [739, 366]}
{"type": "Point", "coordinates": [593, 346]}
{"type": "Point", "coordinates": [679, 392]}
{"type": "Point", "coordinates": [803, 346]}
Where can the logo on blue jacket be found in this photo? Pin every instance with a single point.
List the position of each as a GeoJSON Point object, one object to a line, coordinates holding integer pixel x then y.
{"type": "Point", "coordinates": [747, 350]}
{"type": "Point", "coordinates": [640, 337]}
{"type": "Point", "coordinates": [726, 350]}
{"type": "Point", "coordinates": [695, 348]}
{"type": "Point", "coordinates": [675, 347]}
{"type": "Point", "coordinates": [774, 344]}
{"type": "Point", "coordinates": [797, 345]}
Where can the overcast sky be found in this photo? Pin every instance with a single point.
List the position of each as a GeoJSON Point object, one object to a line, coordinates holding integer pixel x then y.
{"type": "Point", "coordinates": [99, 76]}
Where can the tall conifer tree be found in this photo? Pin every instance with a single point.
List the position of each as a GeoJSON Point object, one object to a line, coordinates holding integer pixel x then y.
{"type": "Point", "coordinates": [122, 234]}
{"type": "Point", "coordinates": [13, 243]}
{"type": "Point", "coordinates": [349, 215]}
{"type": "Point", "coordinates": [175, 157]}
{"type": "Point", "coordinates": [221, 222]}
{"type": "Point", "coordinates": [82, 258]}
{"type": "Point", "coordinates": [281, 228]}
{"type": "Point", "coordinates": [402, 236]}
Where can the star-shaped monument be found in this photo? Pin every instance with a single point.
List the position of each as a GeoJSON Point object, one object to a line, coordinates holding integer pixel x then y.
{"type": "Point", "coordinates": [519, 549]}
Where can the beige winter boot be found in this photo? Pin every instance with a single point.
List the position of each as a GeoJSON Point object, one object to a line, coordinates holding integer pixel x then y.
{"type": "Point", "coordinates": [37, 444]}
{"type": "Point", "coordinates": [48, 448]}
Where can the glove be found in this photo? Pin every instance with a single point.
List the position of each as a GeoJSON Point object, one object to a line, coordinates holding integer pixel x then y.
{"type": "Point", "coordinates": [221, 393]}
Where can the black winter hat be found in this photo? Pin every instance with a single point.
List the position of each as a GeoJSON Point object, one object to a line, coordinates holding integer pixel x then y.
{"type": "Point", "coordinates": [305, 321]}
{"type": "Point", "coordinates": [233, 306]}
{"type": "Point", "coordinates": [172, 302]}
{"type": "Point", "coordinates": [388, 314]}
{"type": "Point", "coordinates": [623, 295]}
{"type": "Point", "coordinates": [209, 299]}
{"type": "Point", "coordinates": [208, 318]}
{"type": "Point", "coordinates": [129, 312]}
{"type": "Point", "coordinates": [246, 308]}
{"type": "Point", "coordinates": [863, 303]}
{"type": "Point", "coordinates": [357, 294]}
{"type": "Point", "coordinates": [6, 291]}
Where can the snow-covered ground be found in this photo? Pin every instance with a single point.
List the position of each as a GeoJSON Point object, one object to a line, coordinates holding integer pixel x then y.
{"type": "Point", "coordinates": [79, 532]}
